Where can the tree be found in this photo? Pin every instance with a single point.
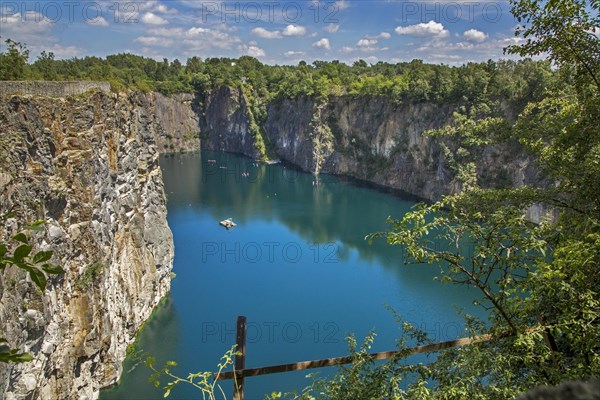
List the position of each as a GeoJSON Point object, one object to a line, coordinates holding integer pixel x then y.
{"type": "Point", "coordinates": [566, 30]}
{"type": "Point", "coordinates": [46, 66]}
{"type": "Point", "coordinates": [539, 281]}
{"type": "Point", "coordinates": [13, 63]}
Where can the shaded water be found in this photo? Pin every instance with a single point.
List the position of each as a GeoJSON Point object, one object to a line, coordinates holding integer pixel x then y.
{"type": "Point", "coordinates": [296, 265]}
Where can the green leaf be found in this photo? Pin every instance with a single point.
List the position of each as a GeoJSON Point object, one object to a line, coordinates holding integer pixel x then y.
{"type": "Point", "coordinates": [21, 237]}
{"type": "Point", "coordinates": [3, 250]}
{"type": "Point", "coordinates": [36, 226]}
{"type": "Point", "coordinates": [150, 361]}
{"type": "Point", "coordinates": [21, 252]}
{"type": "Point", "coordinates": [42, 256]}
{"type": "Point", "coordinates": [38, 278]}
{"type": "Point", "coordinates": [167, 393]}
{"type": "Point", "coordinates": [52, 269]}
{"type": "Point", "coordinates": [8, 355]}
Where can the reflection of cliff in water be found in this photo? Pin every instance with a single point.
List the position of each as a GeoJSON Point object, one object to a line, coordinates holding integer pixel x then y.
{"type": "Point", "coordinates": [229, 194]}
{"type": "Point", "coordinates": [321, 209]}
{"type": "Point", "coordinates": [163, 326]}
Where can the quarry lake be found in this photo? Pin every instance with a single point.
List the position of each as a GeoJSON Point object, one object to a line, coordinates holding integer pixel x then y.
{"type": "Point", "coordinates": [296, 265]}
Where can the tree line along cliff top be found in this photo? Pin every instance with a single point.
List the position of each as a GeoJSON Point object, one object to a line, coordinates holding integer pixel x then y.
{"type": "Point", "coordinates": [474, 84]}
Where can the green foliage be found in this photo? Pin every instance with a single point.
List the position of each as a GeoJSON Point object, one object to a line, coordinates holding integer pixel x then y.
{"type": "Point", "coordinates": [17, 252]}
{"type": "Point", "coordinates": [539, 282]}
{"type": "Point", "coordinates": [476, 86]}
{"type": "Point", "coordinates": [90, 273]}
{"type": "Point", "coordinates": [205, 382]}
{"type": "Point", "coordinates": [13, 63]}
{"type": "Point", "coordinates": [565, 30]}
{"type": "Point", "coordinates": [12, 355]}
{"type": "Point", "coordinates": [321, 136]}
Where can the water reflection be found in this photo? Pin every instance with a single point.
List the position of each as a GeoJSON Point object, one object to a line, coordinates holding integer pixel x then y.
{"type": "Point", "coordinates": [296, 265]}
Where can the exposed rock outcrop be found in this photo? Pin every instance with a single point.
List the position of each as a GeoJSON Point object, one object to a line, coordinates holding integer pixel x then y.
{"type": "Point", "coordinates": [179, 121]}
{"type": "Point", "coordinates": [89, 166]}
{"type": "Point", "coordinates": [374, 140]}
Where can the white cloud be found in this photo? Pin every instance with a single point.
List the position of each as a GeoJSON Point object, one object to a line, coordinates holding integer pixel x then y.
{"type": "Point", "coordinates": [474, 35]}
{"type": "Point", "coordinates": [66, 52]}
{"type": "Point", "coordinates": [332, 28]}
{"type": "Point", "coordinates": [293, 54]}
{"type": "Point", "coordinates": [99, 21]}
{"type": "Point", "coordinates": [255, 51]}
{"type": "Point", "coordinates": [153, 19]}
{"type": "Point", "coordinates": [366, 42]}
{"type": "Point", "coordinates": [385, 35]}
{"type": "Point", "coordinates": [428, 29]}
{"type": "Point", "coordinates": [195, 39]}
{"type": "Point", "coordinates": [294, 30]}
{"type": "Point", "coordinates": [161, 8]}
{"type": "Point", "coordinates": [323, 43]}
{"type": "Point", "coordinates": [154, 41]}
{"type": "Point", "coordinates": [347, 49]}
{"type": "Point", "coordinates": [265, 34]}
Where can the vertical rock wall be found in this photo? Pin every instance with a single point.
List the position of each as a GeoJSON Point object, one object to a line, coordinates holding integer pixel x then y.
{"type": "Point", "coordinates": [373, 140]}
{"type": "Point", "coordinates": [88, 165]}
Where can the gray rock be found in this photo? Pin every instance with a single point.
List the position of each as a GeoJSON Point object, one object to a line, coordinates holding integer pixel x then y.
{"type": "Point", "coordinates": [97, 154]}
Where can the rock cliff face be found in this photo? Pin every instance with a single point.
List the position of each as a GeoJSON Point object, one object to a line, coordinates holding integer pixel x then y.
{"type": "Point", "coordinates": [225, 122]}
{"type": "Point", "coordinates": [371, 138]}
{"type": "Point", "coordinates": [179, 121]}
{"type": "Point", "coordinates": [88, 165]}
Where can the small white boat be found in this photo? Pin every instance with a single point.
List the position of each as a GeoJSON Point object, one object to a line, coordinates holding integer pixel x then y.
{"type": "Point", "coordinates": [228, 223]}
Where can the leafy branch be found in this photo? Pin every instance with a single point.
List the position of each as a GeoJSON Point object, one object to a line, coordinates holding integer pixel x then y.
{"type": "Point", "coordinates": [35, 265]}
{"type": "Point", "coordinates": [199, 380]}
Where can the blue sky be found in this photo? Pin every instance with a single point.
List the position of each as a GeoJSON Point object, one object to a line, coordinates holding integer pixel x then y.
{"type": "Point", "coordinates": [275, 32]}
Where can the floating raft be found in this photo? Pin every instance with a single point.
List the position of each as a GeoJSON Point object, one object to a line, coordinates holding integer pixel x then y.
{"type": "Point", "coordinates": [227, 223]}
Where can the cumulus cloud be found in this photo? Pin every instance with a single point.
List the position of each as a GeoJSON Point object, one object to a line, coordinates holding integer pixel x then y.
{"type": "Point", "coordinates": [429, 29]}
{"type": "Point", "coordinates": [161, 8]}
{"type": "Point", "coordinates": [381, 36]}
{"type": "Point", "coordinates": [153, 19]}
{"type": "Point", "coordinates": [194, 39]}
{"type": "Point", "coordinates": [266, 34]}
{"type": "Point", "coordinates": [294, 30]}
{"type": "Point", "coordinates": [290, 30]}
{"type": "Point", "coordinates": [366, 42]}
{"type": "Point", "coordinates": [323, 44]}
{"type": "Point", "coordinates": [474, 35]}
{"type": "Point", "coordinates": [255, 51]}
{"type": "Point", "coordinates": [98, 21]}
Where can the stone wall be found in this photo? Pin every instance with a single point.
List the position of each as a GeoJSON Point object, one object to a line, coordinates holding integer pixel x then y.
{"type": "Point", "coordinates": [50, 89]}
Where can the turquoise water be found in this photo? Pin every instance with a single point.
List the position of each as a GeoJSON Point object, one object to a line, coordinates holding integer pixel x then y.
{"type": "Point", "coordinates": [297, 266]}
